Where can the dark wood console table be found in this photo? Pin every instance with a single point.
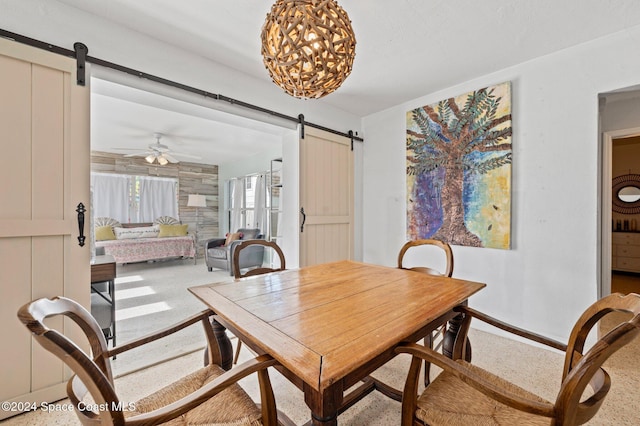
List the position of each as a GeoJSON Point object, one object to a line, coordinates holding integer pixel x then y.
{"type": "Point", "coordinates": [103, 270]}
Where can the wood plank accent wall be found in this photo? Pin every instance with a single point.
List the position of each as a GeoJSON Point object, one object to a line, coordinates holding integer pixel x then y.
{"type": "Point", "coordinates": [193, 178]}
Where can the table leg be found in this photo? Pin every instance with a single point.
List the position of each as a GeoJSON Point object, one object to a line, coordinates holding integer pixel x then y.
{"type": "Point", "coordinates": [324, 407]}
{"type": "Point", "coordinates": [450, 337]}
{"type": "Point", "coordinates": [112, 293]}
{"type": "Point", "coordinates": [224, 355]}
{"type": "Point", "coordinates": [333, 421]}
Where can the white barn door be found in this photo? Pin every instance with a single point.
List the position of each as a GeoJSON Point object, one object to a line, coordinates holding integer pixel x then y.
{"type": "Point", "coordinates": [44, 175]}
{"type": "Point", "coordinates": [326, 197]}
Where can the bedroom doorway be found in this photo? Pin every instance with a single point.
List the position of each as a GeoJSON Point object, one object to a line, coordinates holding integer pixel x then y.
{"type": "Point", "coordinates": [208, 144]}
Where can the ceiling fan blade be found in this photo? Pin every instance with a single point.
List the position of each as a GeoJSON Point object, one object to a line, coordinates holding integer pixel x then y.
{"type": "Point", "coordinates": [169, 157]}
{"type": "Point", "coordinates": [138, 154]}
{"type": "Point", "coordinates": [158, 151]}
{"type": "Point", "coordinates": [180, 154]}
{"type": "Point", "coordinates": [181, 137]}
{"type": "Point", "coordinates": [159, 147]}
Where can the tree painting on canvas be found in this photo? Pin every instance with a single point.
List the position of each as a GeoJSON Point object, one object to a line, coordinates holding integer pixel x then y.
{"type": "Point", "coordinates": [459, 169]}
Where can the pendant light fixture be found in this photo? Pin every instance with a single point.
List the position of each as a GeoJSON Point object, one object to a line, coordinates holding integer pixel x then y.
{"type": "Point", "coordinates": [308, 46]}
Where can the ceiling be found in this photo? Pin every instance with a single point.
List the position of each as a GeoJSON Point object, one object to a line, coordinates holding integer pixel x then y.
{"type": "Point", "coordinates": [405, 48]}
{"type": "Point", "coordinates": [125, 120]}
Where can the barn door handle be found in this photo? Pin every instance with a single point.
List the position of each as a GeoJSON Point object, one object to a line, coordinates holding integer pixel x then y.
{"type": "Point", "coordinates": [81, 211]}
{"type": "Point", "coordinates": [304, 219]}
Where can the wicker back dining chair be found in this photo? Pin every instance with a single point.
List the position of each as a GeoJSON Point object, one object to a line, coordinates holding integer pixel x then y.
{"type": "Point", "coordinates": [197, 398]}
{"type": "Point", "coordinates": [467, 394]}
{"type": "Point", "coordinates": [447, 272]}
{"type": "Point", "coordinates": [237, 272]}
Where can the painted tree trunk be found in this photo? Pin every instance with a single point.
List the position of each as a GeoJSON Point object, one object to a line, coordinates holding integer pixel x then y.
{"type": "Point", "coordinates": [453, 228]}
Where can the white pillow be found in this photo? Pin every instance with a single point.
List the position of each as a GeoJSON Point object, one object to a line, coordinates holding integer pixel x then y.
{"type": "Point", "coordinates": [142, 232]}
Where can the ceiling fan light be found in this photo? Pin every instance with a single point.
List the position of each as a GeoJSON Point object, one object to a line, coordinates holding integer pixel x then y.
{"type": "Point", "coordinates": [308, 46]}
{"type": "Point", "coordinates": [162, 160]}
{"type": "Point", "coordinates": [150, 158]}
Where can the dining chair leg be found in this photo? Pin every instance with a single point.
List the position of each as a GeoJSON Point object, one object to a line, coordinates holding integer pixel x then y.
{"type": "Point", "coordinates": [235, 358]}
{"type": "Point", "coordinates": [428, 342]}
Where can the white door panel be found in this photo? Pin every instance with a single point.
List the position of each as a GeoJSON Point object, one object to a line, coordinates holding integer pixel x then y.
{"type": "Point", "coordinates": [326, 197]}
{"type": "Point", "coordinates": [44, 167]}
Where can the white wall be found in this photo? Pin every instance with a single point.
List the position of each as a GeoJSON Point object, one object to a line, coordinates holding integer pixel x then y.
{"type": "Point", "coordinates": [290, 199]}
{"type": "Point", "coordinates": [550, 275]}
{"type": "Point", "coordinates": [622, 114]}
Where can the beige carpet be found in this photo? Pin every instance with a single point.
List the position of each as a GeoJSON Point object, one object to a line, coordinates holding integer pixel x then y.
{"type": "Point", "coordinates": [533, 368]}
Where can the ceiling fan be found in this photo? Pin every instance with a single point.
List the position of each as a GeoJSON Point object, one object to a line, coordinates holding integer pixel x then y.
{"type": "Point", "coordinates": [159, 152]}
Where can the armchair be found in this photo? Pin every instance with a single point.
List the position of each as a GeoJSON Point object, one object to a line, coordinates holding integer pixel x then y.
{"type": "Point", "coordinates": [219, 255]}
{"type": "Point", "coordinates": [448, 272]}
{"type": "Point", "coordinates": [210, 395]}
{"type": "Point", "coordinates": [467, 394]}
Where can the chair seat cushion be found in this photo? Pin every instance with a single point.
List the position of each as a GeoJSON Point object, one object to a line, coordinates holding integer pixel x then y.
{"type": "Point", "coordinates": [232, 406]}
{"type": "Point", "coordinates": [449, 401]}
{"type": "Point", "coordinates": [218, 252]}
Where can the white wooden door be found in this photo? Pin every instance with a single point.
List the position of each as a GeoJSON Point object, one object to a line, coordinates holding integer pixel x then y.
{"type": "Point", "coordinates": [326, 197]}
{"type": "Point", "coordinates": [44, 175]}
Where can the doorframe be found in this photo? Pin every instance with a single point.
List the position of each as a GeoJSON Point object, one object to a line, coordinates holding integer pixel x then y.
{"type": "Point", "coordinates": [604, 289]}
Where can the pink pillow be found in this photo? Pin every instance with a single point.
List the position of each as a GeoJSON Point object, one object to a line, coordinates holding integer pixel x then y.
{"type": "Point", "coordinates": [233, 237]}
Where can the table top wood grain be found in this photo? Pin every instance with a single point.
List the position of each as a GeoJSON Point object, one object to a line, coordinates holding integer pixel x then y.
{"type": "Point", "coordinates": [326, 321]}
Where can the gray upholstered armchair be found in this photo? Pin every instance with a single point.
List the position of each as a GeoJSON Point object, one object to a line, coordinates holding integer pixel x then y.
{"type": "Point", "coordinates": [218, 255]}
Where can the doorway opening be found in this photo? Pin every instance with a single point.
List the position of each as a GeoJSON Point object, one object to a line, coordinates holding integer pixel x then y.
{"type": "Point", "coordinates": [620, 158]}
{"type": "Point", "coordinates": [214, 144]}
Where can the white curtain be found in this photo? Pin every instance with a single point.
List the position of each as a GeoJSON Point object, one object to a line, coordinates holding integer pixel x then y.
{"type": "Point", "coordinates": [111, 196]}
{"type": "Point", "coordinates": [260, 205]}
{"type": "Point", "coordinates": [157, 198]}
{"type": "Point", "coordinates": [236, 188]}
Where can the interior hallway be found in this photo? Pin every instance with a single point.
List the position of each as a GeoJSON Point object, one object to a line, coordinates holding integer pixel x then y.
{"type": "Point", "coordinates": [625, 283]}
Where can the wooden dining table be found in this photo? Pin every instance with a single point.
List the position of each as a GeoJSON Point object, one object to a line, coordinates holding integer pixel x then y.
{"type": "Point", "coordinates": [331, 325]}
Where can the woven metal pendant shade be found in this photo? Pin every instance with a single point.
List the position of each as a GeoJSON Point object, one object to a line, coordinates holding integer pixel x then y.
{"type": "Point", "coordinates": [308, 46]}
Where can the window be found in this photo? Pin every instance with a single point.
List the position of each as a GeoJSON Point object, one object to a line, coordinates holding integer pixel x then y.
{"type": "Point", "coordinates": [246, 200]}
{"type": "Point", "coordinates": [133, 199]}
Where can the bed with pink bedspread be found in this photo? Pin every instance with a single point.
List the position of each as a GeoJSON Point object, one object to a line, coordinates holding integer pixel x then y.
{"type": "Point", "coordinates": [144, 249]}
{"type": "Point", "coordinates": [141, 242]}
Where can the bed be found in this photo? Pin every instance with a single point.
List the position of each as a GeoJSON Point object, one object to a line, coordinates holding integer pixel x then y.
{"type": "Point", "coordinates": [165, 238]}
